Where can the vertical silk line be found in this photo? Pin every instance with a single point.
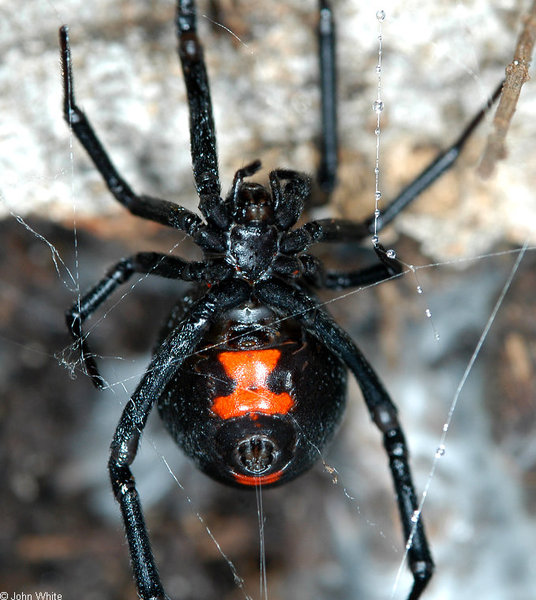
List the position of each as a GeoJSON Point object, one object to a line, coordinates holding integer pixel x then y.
{"type": "Point", "coordinates": [263, 581]}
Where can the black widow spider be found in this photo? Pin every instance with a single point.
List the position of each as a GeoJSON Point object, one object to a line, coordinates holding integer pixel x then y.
{"type": "Point", "coordinates": [249, 374]}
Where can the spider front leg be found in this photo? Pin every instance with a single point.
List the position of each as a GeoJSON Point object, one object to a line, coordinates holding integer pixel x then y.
{"type": "Point", "coordinates": [330, 230]}
{"type": "Point", "coordinates": [327, 170]}
{"type": "Point", "coordinates": [149, 263]}
{"type": "Point", "coordinates": [179, 344]}
{"type": "Point", "coordinates": [202, 130]}
{"type": "Point", "coordinates": [444, 161]}
{"type": "Point", "coordinates": [147, 207]}
{"type": "Point", "coordinates": [292, 301]}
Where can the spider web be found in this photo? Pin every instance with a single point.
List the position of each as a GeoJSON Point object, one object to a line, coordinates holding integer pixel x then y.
{"type": "Point", "coordinates": [322, 540]}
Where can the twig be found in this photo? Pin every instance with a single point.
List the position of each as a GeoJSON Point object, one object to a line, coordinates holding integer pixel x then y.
{"type": "Point", "coordinates": [517, 73]}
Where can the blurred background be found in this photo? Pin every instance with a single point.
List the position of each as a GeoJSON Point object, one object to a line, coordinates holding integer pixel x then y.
{"type": "Point", "coordinates": [335, 532]}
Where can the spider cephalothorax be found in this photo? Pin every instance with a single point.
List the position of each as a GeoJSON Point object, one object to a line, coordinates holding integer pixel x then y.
{"type": "Point", "coordinates": [258, 221]}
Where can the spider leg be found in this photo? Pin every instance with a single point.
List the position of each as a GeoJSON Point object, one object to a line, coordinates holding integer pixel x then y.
{"type": "Point", "coordinates": [327, 171]}
{"type": "Point", "coordinates": [337, 230]}
{"type": "Point", "coordinates": [316, 321]}
{"type": "Point", "coordinates": [151, 263]}
{"type": "Point", "coordinates": [202, 130]}
{"type": "Point", "coordinates": [338, 280]}
{"type": "Point", "coordinates": [342, 230]}
{"type": "Point", "coordinates": [153, 209]}
{"type": "Point", "coordinates": [433, 171]}
{"type": "Point", "coordinates": [179, 344]}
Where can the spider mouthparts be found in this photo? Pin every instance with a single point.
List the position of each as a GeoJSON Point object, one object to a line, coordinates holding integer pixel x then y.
{"type": "Point", "coordinates": [256, 454]}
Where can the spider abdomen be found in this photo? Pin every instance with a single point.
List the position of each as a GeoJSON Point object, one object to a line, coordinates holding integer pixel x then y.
{"type": "Point", "coordinates": [259, 406]}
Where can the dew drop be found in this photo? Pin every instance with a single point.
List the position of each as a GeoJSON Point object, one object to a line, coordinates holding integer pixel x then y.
{"type": "Point", "coordinates": [377, 131]}
{"type": "Point", "coordinates": [378, 69]}
{"type": "Point", "coordinates": [419, 289]}
{"type": "Point", "coordinates": [440, 451]}
{"type": "Point", "coordinates": [415, 516]}
{"type": "Point", "coordinates": [437, 336]}
{"type": "Point", "coordinates": [445, 427]}
{"type": "Point", "coordinates": [428, 313]}
{"type": "Point", "coordinates": [376, 171]}
{"type": "Point", "coordinates": [378, 195]}
{"type": "Point", "coordinates": [377, 106]}
{"type": "Point", "coordinates": [380, 15]}
{"type": "Point", "coordinates": [390, 253]}
{"type": "Point", "coordinates": [377, 213]}
{"type": "Point", "coordinates": [375, 239]}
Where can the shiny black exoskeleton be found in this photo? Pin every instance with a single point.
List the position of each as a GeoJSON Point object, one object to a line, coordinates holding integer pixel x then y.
{"type": "Point", "coordinates": [249, 373]}
{"type": "Point", "coordinates": [258, 384]}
